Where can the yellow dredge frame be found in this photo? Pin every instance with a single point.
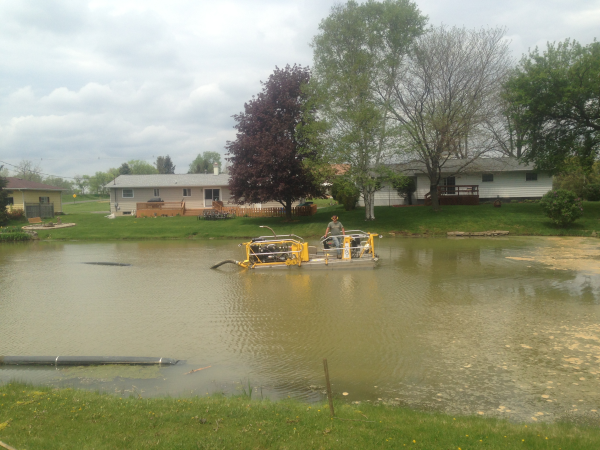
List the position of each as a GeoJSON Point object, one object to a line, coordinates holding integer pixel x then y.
{"type": "Point", "coordinates": [293, 250]}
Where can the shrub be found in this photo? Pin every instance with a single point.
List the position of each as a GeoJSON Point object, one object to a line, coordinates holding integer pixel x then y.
{"type": "Point", "coordinates": [561, 206]}
{"type": "Point", "coordinates": [591, 192]}
{"type": "Point", "coordinates": [345, 192]}
{"type": "Point", "coordinates": [14, 237]}
{"type": "Point", "coordinates": [13, 234]}
{"type": "Point", "coordinates": [15, 214]}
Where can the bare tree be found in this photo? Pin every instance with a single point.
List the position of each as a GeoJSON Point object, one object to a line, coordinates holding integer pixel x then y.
{"type": "Point", "coordinates": [29, 171]}
{"type": "Point", "coordinates": [446, 93]}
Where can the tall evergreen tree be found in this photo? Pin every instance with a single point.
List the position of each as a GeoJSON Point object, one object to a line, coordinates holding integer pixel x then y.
{"type": "Point", "coordinates": [164, 164]}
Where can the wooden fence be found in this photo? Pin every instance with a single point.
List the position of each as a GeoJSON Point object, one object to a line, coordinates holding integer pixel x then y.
{"type": "Point", "coordinates": [150, 209]}
{"type": "Point", "coordinates": [244, 211]}
{"type": "Point", "coordinates": [43, 210]}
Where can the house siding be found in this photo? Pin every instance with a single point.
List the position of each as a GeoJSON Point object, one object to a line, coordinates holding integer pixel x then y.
{"type": "Point", "coordinates": [167, 194]}
{"type": "Point", "coordinates": [387, 196]}
{"type": "Point", "coordinates": [505, 185]}
{"type": "Point", "coordinates": [33, 196]}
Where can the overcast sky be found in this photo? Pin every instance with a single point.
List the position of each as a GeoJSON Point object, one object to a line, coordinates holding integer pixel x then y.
{"type": "Point", "coordinates": [87, 85]}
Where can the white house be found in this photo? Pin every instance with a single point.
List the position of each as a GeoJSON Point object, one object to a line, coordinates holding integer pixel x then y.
{"type": "Point", "coordinates": [504, 178]}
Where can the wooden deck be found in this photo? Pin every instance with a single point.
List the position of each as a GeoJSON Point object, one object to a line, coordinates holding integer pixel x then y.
{"type": "Point", "coordinates": [467, 194]}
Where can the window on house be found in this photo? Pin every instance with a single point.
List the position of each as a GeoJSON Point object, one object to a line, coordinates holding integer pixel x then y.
{"type": "Point", "coordinates": [157, 192]}
{"type": "Point", "coordinates": [126, 213]}
{"type": "Point", "coordinates": [187, 192]}
{"type": "Point", "coordinates": [45, 200]}
{"type": "Point", "coordinates": [10, 200]}
{"type": "Point", "coordinates": [487, 177]}
{"type": "Point", "coordinates": [127, 193]}
{"type": "Point", "coordinates": [531, 177]}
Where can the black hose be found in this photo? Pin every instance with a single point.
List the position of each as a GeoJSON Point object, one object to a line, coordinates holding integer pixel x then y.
{"type": "Point", "coordinates": [82, 360]}
{"type": "Point", "coordinates": [227, 261]}
{"type": "Point", "coordinates": [107, 264]}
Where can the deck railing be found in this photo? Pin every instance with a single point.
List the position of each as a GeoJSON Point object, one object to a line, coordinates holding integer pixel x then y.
{"type": "Point", "coordinates": [179, 208]}
{"type": "Point", "coordinates": [464, 194]}
{"type": "Point", "coordinates": [160, 209]}
{"type": "Point", "coordinates": [245, 211]}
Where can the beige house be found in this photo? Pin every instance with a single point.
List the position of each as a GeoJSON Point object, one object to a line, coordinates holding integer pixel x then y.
{"type": "Point", "coordinates": [194, 191]}
{"type": "Point", "coordinates": [36, 199]}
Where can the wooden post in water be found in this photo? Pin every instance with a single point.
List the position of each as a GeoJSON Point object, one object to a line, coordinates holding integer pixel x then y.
{"type": "Point", "coordinates": [329, 394]}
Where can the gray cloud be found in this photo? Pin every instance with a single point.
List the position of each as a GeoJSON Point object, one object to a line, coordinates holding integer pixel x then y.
{"type": "Point", "coordinates": [85, 86]}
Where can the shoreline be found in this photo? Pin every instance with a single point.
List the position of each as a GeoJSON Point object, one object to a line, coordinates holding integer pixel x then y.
{"type": "Point", "coordinates": [73, 419]}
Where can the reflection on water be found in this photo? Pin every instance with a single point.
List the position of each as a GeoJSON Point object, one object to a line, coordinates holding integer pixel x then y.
{"type": "Point", "coordinates": [505, 327]}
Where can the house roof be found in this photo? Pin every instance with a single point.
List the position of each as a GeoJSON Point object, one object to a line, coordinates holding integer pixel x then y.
{"type": "Point", "coordinates": [169, 180]}
{"type": "Point", "coordinates": [480, 165]}
{"type": "Point", "coordinates": [18, 184]}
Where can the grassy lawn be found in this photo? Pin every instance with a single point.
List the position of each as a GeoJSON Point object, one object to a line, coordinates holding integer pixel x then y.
{"type": "Point", "coordinates": [66, 198]}
{"type": "Point", "coordinates": [43, 418]}
{"type": "Point", "coordinates": [517, 218]}
{"type": "Point", "coordinates": [78, 208]}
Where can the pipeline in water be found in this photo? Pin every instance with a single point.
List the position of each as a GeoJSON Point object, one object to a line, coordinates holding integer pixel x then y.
{"type": "Point", "coordinates": [84, 360]}
{"type": "Point", "coordinates": [107, 264]}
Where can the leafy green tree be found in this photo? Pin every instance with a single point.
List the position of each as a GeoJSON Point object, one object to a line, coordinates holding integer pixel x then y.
{"type": "Point", "coordinates": [98, 181]}
{"type": "Point", "coordinates": [58, 182]}
{"type": "Point", "coordinates": [345, 192]}
{"type": "Point", "coordinates": [164, 164]}
{"type": "Point", "coordinates": [405, 186]}
{"type": "Point", "coordinates": [556, 93]}
{"type": "Point", "coordinates": [3, 200]}
{"type": "Point", "coordinates": [573, 177]}
{"type": "Point", "coordinates": [139, 167]}
{"type": "Point", "coordinates": [204, 163]}
{"type": "Point", "coordinates": [124, 169]}
{"type": "Point", "coordinates": [357, 52]}
{"type": "Point", "coordinates": [4, 172]}
{"type": "Point", "coordinates": [81, 182]}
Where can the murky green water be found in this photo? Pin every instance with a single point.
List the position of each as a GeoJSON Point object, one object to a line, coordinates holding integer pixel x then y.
{"type": "Point", "coordinates": [505, 327]}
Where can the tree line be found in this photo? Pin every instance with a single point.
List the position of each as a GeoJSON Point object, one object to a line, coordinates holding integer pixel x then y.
{"type": "Point", "coordinates": [386, 88]}
{"type": "Point", "coordinates": [85, 184]}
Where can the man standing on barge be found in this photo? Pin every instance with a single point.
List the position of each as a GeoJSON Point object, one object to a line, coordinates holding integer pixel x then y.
{"type": "Point", "coordinates": [337, 231]}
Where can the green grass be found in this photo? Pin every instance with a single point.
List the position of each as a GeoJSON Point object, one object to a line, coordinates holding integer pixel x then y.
{"type": "Point", "coordinates": [81, 197]}
{"type": "Point", "coordinates": [78, 208]}
{"type": "Point", "coordinates": [43, 418]}
{"type": "Point", "coordinates": [517, 218]}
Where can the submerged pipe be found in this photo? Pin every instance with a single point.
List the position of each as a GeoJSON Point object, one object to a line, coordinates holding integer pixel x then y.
{"type": "Point", "coordinates": [227, 261]}
{"type": "Point", "coordinates": [84, 360]}
{"type": "Point", "coordinates": [107, 264]}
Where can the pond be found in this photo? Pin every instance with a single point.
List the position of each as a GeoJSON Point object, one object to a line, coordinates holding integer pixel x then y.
{"type": "Point", "coordinates": [504, 327]}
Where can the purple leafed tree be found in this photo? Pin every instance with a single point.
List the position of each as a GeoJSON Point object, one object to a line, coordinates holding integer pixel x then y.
{"type": "Point", "coordinates": [269, 153]}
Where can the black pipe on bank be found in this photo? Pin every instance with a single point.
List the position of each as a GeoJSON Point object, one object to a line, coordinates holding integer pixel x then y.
{"type": "Point", "coordinates": [84, 360]}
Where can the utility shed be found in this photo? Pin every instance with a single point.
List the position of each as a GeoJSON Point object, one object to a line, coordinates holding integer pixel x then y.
{"type": "Point", "coordinates": [36, 199]}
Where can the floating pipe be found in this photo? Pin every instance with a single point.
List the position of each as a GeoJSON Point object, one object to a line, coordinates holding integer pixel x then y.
{"type": "Point", "coordinates": [107, 264]}
{"type": "Point", "coordinates": [227, 261]}
{"type": "Point", "coordinates": [84, 360]}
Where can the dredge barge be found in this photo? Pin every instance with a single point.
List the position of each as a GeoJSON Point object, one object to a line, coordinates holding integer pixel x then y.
{"type": "Point", "coordinates": [357, 250]}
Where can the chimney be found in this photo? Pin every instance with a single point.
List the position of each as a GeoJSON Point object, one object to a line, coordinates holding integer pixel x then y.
{"type": "Point", "coordinates": [216, 168]}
